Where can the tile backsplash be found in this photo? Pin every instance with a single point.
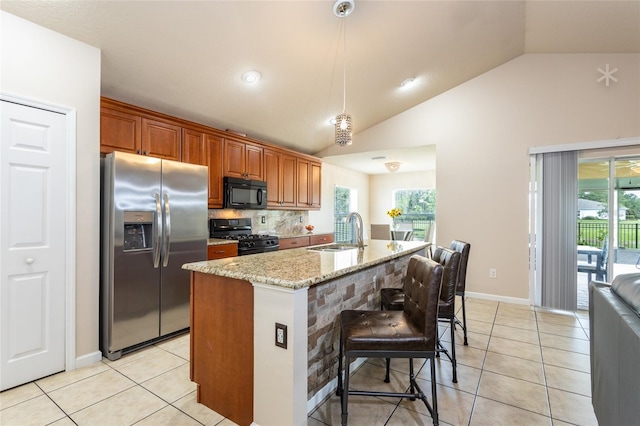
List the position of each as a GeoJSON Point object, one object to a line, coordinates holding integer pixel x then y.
{"type": "Point", "coordinates": [276, 222]}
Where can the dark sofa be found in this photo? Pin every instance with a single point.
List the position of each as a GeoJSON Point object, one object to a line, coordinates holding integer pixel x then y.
{"type": "Point", "coordinates": [614, 319]}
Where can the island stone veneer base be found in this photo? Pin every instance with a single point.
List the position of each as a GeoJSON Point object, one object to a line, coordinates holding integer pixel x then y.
{"type": "Point", "coordinates": [360, 291]}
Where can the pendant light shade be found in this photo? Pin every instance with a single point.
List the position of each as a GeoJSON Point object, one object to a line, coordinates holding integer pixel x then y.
{"type": "Point", "coordinates": [344, 129]}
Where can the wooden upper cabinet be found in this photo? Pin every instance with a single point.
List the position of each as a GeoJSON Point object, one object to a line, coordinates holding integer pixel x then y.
{"type": "Point", "coordinates": [120, 131]}
{"type": "Point", "coordinates": [315, 185]}
{"type": "Point", "coordinates": [280, 174]}
{"type": "Point", "coordinates": [303, 183]}
{"type": "Point", "coordinates": [309, 184]}
{"type": "Point", "coordinates": [214, 161]}
{"type": "Point", "coordinates": [204, 148]}
{"type": "Point", "coordinates": [161, 139]}
{"type": "Point", "coordinates": [194, 148]}
{"type": "Point", "coordinates": [243, 160]}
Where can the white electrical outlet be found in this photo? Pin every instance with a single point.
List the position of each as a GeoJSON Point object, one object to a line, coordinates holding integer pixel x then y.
{"type": "Point", "coordinates": [281, 335]}
{"type": "Point", "coordinates": [493, 273]}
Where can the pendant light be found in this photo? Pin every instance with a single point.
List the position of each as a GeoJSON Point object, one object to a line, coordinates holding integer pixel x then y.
{"type": "Point", "coordinates": [344, 124]}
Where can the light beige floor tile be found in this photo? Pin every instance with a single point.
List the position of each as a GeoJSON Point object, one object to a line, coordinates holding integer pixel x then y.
{"type": "Point", "coordinates": [475, 340]}
{"type": "Point", "coordinates": [200, 412]}
{"type": "Point", "coordinates": [397, 364]}
{"type": "Point", "coordinates": [516, 392]}
{"type": "Point", "coordinates": [35, 411]}
{"type": "Point", "coordinates": [568, 380]}
{"type": "Point", "coordinates": [492, 413]}
{"type": "Point", "coordinates": [148, 367]}
{"type": "Point", "coordinates": [480, 315]}
{"type": "Point", "coordinates": [522, 306]}
{"type": "Point", "coordinates": [403, 416]}
{"type": "Point", "coordinates": [571, 408]}
{"type": "Point", "coordinates": [562, 330]}
{"type": "Point", "coordinates": [59, 380]}
{"type": "Point", "coordinates": [125, 408]}
{"type": "Point", "coordinates": [517, 323]}
{"type": "Point", "coordinates": [363, 411]}
{"type": "Point", "coordinates": [19, 394]}
{"type": "Point", "coordinates": [516, 313]}
{"type": "Point", "coordinates": [313, 422]}
{"type": "Point", "coordinates": [560, 423]}
{"type": "Point", "coordinates": [485, 302]}
{"type": "Point", "coordinates": [371, 377]}
{"type": "Point", "coordinates": [515, 348]}
{"type": "Point", "coordinates": [565, 343]}
{"type": "Point", "coordinates": [178, 346]}
{"type": "Point", "coordinates": [511, 366]}
{"type": "Point", "coordinates": [65, 421]}
{"type": "Point", "coordinates": [567, 319]}
{"type": "Point", "coordinates": [480, 327]}
{"type": "Point", "coordinates": [470, 356]}
{"type": "Point", "coordinates": [226, 422]}
{"type": "Point", "coordinates": [468, 377]}
{"type": "Point", "coordinates": [513, 333]}
{"type": "Point", "coordinates": [86, 392]}
{"type": "Point", "coordinates": [172, 385]}
{"type": "Point", "coordinates": [476, 307]}
{"type": "Point", "coordinates": [133, 356]}
{"type": "Point", "coordinates": [454, 407]}
{"type": "Point", "coordinates": [169, 415]}
{"type": "Point", "coordinates": [570, 360]}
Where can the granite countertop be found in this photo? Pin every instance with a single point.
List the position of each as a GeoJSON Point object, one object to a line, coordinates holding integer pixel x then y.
{"type": "Point", "coordinates": [301, 267]}
{"type": "Point", "coordinates": [220, 241]}
{"type": "Point", "coordinates": [304, 234]}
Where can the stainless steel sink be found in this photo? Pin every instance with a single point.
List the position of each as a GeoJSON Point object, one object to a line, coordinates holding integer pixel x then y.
{"type": "Point", "coordinates": [334, 247]}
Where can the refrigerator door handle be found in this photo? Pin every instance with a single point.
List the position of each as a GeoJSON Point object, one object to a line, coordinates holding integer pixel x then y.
{"type": "Point", "coordinates": [167, 229]}
{"type": "Point", "coordinates": [158, 232]}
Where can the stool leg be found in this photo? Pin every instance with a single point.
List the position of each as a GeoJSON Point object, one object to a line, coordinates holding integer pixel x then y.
{"type": "Point", "coordinates": [412, 379]}
{"type": "Point", "coordinates": [386, 376]}
{"type": "Point", "coordinates": [340, 350]}
{"type": "Point", "coordinates": [464, 321]}
{"type": "Point", "coordinates": [434, 397]}
{"type": "Point", "coordinates": [453, 349]}
{"type": "Point", "coordinates": [345, 391]}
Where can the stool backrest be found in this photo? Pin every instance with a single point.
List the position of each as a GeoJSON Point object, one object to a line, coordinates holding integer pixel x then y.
{"type": "Point", "coordinates": [464, 249]}
{"type": "Point", "coordinates": [450, 259]}
{"type": "Point", "coordinates": [422, 285]}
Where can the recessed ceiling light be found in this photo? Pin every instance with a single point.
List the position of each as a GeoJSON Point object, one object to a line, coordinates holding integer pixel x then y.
{"type": "Point", "coordinates": [251, 77]}
{"type": "Point", "coordinates": [407, 82]}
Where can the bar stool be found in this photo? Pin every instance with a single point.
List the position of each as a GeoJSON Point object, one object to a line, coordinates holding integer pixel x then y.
{"type": "Point", "coordinates": [392, 299]}
{"type": "Point", "coordinates": [410, 333]}
{"type": "Point", "coordinates": [464, 249]}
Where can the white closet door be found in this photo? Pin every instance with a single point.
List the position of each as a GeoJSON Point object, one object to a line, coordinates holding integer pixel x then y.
{"type": "Point", "coordinates": [32, 243]}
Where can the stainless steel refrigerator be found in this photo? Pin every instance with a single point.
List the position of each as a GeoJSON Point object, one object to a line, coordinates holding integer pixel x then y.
{"type": "Point", "coordinates": [154, 220]}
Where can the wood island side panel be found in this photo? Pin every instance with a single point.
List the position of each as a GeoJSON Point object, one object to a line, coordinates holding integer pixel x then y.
{"type": "Point", "coordinates": [222, 345]}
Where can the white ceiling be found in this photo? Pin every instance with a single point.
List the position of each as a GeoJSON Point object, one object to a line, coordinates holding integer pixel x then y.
{"type": "Point", "coordinates": [186, 58]}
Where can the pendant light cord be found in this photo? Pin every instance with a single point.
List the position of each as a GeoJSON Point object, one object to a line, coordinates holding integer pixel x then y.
{"type": "Point", "coordinates": [344, 66]}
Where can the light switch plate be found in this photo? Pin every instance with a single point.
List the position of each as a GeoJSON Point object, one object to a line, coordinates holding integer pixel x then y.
{"type": "Point", "coordinates": [281, 335]}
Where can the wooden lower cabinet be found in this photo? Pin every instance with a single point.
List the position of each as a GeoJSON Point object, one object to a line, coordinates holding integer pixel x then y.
{"type": "Point", "coordinates": [222, 345]}
{"type": "Point", "coordinates": [220, 251]}
{"type": "Point", "coordinates": [304, 241]}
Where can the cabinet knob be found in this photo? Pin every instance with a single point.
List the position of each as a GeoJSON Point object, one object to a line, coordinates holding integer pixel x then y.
{"type": "Point", "coordinates": [29, 260]}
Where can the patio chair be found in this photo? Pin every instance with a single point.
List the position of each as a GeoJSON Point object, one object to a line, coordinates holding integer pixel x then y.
{"type": "Point", "coordinates": [599, 267]}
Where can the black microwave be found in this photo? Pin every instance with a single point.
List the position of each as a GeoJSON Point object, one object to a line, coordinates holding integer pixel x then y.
{"type": "Point", "coordinates": [244, 194]}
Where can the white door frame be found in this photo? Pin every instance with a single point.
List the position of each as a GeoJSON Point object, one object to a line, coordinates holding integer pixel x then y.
{"type": "Point", "coordinates": [70, 206]}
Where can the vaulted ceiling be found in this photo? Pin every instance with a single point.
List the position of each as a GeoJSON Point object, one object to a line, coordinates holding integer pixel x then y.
{"type": "Point", "coordinates": [186, 58]}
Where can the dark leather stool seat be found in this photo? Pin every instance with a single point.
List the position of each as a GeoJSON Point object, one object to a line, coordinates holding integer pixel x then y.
{"type": "Point", "coordinates": [391, 299]}
{"type": "Point", "coordinates": [410, 333]}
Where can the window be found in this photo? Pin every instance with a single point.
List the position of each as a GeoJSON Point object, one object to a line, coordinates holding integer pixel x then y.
{"type": "Point", "coordinates": [345, 201]}
{"type": "Point", "coordinates": [418, 207]}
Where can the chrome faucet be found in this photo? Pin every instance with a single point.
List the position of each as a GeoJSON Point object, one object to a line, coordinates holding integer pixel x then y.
{"type": "Point", "coordinates": [360, 226]}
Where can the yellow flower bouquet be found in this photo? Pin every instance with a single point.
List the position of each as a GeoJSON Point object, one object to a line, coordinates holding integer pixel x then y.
{"type": "Point", "coordinates": [393, 213]}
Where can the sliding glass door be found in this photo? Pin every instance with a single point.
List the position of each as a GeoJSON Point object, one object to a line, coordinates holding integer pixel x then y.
{"type": "Point", "coordinates": [608, 221]}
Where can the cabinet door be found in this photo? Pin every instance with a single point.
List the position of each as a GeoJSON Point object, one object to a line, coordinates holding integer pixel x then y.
{"type": "Point", "coordinates": [214, 161]}
{"type": "Point", "coordinates": [272, 176]}
{"type": "Point", "coordinates": [303, 183]}
{"type": "Point", "coordinates": [234, 158]}
{"type": "Point", "coordinates": [119, 131]}
{"type": "Point", "coordinates": [254, 162]}
{"type": "Point", "coordinates": [194, 148]}
{"type": "Point", "coordinates": [315, 184]}
{"type": "Point", "coordinates": [288, 180]}
{"type": "Point", "coordinates": [160, 139]}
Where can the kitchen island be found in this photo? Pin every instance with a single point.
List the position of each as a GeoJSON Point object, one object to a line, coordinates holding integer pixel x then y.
{"type": "Point", "coordinates": [243, 372]}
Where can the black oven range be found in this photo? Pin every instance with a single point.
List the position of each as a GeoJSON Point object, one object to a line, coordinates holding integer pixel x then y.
{"type": "Point", "coordinates": [240, 230]}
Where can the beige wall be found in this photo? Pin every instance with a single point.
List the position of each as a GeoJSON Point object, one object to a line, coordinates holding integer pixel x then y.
{"type": "Point", "coordinates": [483, 130]}
{"type": "Point", "coordinates": [45, 66]}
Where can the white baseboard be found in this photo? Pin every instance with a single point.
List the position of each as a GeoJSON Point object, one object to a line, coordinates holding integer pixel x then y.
{"type": "Point", "coordinates": [493, 297]}
{"type": "Point", "coordinates": [330, 388]}
{"type": "Point", "coordinates": [88, 359]}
